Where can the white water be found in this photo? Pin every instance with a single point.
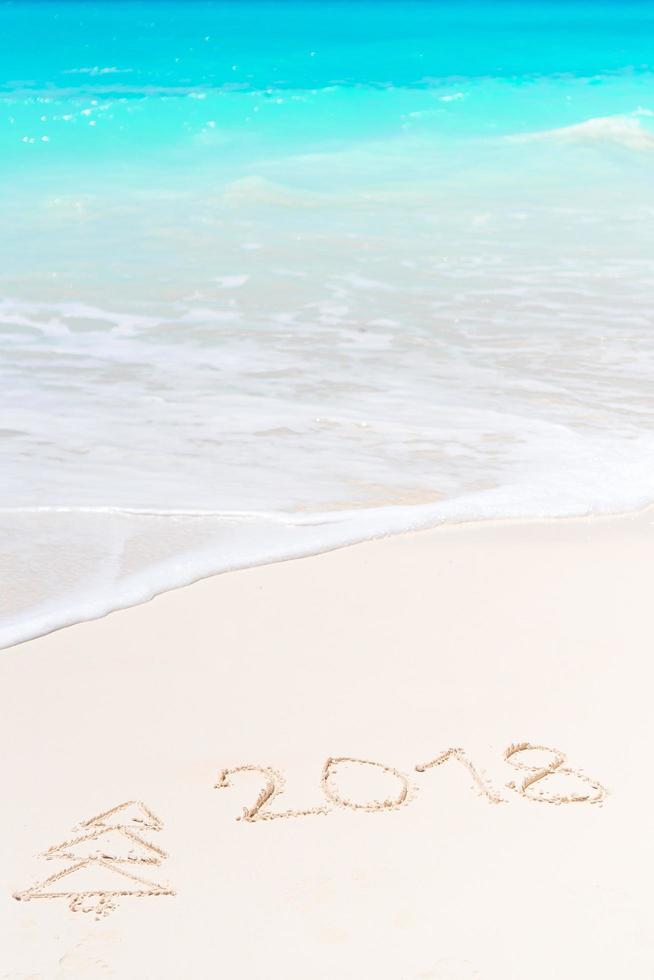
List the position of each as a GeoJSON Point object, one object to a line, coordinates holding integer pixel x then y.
{"type": "Point", "coordinates": [276, 364]}
{"type": "Point", "coordinates": [153, 446]}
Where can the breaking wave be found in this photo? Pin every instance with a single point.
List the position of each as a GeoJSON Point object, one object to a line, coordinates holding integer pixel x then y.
{"type": "Point", "coordinates": [623, 131]}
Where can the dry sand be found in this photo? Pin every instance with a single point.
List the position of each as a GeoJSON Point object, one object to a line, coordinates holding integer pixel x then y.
{"type": "Point", "coordinates": [457, 854]}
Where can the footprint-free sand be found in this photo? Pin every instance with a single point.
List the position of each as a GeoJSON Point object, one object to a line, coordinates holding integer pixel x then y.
{"type": "Point", "coordinates": [421, 758]}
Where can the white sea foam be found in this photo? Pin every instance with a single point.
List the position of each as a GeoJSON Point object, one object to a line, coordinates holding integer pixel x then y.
{"type": "Point", "coordinates": [314, 345]}
{"type": "Point", "coordinates": [87, 561]}
{"type": "Point", "coordinates": [97, 70]}
{"type": "Point", "coordinates": [151, 448]}
{"type": "Point", "coordinates": [231, 282]}
{"type": "Point", "coordinates": [623, 131]}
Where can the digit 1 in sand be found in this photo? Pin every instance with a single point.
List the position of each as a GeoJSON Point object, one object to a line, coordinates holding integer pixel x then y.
{"type": "Point", "coordinates": [483, 786]}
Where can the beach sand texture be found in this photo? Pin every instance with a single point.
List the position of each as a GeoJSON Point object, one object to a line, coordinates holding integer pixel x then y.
{"type": "Point", "coordinates": [419, 758]}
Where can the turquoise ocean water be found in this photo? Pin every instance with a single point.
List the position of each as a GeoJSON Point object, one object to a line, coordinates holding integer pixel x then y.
{"type": "Point", "coordinates": [279, 276]}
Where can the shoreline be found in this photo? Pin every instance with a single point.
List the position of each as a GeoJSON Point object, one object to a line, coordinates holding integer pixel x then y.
{"type": "Point", "coordinates": [332, 764]}
{"type": "Point", "coordinates": [158, 579]}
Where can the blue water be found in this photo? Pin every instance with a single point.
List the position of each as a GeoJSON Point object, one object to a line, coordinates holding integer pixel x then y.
{"type": "Point", "coordinates": [346, 70]}
{"type": "Point", "coordinates": [313, 270]}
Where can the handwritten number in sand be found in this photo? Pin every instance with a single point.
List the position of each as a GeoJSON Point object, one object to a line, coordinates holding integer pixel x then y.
{"type": "Point", "coordinates": [482, 785]}
{"type": "Point", "coordinates": [531, 785]}
{"type": "Point", "coordinates": [328, 781]}
{"type": "Point", "coordinates": [273, 786]}
{"type": "Point", "coordinates": [335, 771]}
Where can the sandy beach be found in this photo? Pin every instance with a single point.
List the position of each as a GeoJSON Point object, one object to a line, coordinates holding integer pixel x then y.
{"type": "Point", "coordinates": [327, 490]}
{"type": "Point", "coordinates": [266, 694]}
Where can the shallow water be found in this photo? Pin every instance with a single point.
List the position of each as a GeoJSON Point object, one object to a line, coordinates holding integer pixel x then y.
{"type": "Point", "coordinates": [280, 276]}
